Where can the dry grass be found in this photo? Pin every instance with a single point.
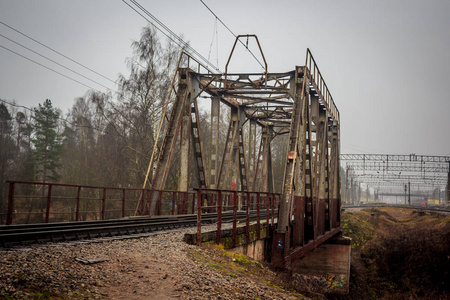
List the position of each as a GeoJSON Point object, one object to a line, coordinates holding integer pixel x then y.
{"type": "Point", "coordinates": [405, 255]}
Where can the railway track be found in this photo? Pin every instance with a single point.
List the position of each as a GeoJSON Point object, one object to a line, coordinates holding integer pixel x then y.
{"type": "Point", "coordinates": [419, 208]}
{"type": "Point", "coordinates": [26, 234]}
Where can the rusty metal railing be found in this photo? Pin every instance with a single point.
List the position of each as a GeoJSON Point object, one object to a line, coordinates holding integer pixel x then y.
{"type": "Point", "coordinates": [312, 72]}
{"type": "Point", "coordinates": [219, 201]}
{"type": "Point", "coordinates": [43, 202]}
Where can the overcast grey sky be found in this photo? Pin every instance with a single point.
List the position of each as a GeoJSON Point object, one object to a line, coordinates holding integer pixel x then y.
{"type": "Point", "coordinates": [387, 63]}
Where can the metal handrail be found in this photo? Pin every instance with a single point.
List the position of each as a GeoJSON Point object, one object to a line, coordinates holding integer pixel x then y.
{"type": "Point", "coordinates": [319, 83]}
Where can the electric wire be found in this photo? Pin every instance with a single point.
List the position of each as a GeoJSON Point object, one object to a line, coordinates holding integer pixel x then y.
{"type": "Point", "coordinates": [55, 51]}
{"type": "Point", "coordinates": [59, 73]}
{"type": "Point", "coordinates": [54, 61]}
{"type": "Point", "coordinates": [212, 41]}
{"type": "Point", "coordinates": [170, 34]}
{"type": "Point", "coordinates": [48, 68]}
{"type": "Point", "coordinates": [63, 55]}
{"type": "Point", "coordinates": [175, 35]}
{"type": "Point", "coordinates": [68, 77]}
{"type": "Point", "coordinates": [246, 46]}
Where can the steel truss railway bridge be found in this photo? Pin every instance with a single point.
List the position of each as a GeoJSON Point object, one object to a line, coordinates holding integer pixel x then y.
{"type": "Point", "coordinates": [232, 168]}
{"type": "Point", "coordinates": [420, 176]}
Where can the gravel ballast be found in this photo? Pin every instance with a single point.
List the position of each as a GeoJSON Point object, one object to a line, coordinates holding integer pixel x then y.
{"type": "Point", "coordinates": [155, 267]}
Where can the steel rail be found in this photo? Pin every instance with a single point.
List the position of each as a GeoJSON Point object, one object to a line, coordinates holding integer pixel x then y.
{"type": "Point", "coordinates": [25, 234]}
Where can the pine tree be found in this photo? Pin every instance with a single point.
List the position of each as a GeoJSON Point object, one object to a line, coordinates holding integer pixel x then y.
{"type": "Point", "coordinates": [47, 142]}
{"type": "Point", "coordinates": [6, 152]}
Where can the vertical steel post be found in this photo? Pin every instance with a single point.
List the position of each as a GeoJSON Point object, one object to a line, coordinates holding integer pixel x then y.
{"type": "Point", "coordinates": [409, 193]}
{"type": "Point", "coordinates": [322, 168]}
{"type": "Point", "coordinates": [219, 217]}
{"type": "Point", "coordinates": [247, 217]}
{"type": "Point", "coordinates": [159, 203]}
{"type": "Point", "coordinates": [359, 193]}
{"type": "Point", "coordinates": [49, 197]}
{"type": "Point", "coordinates": [313, 203]}
{"type": "Point", "coordinates": [272, 197]}
{"type": "Point", "coordinates": [214, 142]}
{"type": "Point", "coordinates": [104, 203]}
{"type": "Point", "coordinates": [352, 191]}
{"type": "Point", "coordinates": [406, 189]}
{"type": "Point", "coordinates": [448, 185]}
{"type": "Point", "coordinates": [142, 200]}
{"type": "Point", "coordinates": [185, 145]}
{"type": "Point", "coordinates": [123, 203]}
{"type": "Point", "coordinates": [9, 216]}
{"type": "Point", "coordinates": [251, 153]}
{"type": "Point", "coordinates": [266, 177]}
{"type": "Point", "coordinates": [298, 204]}
{"type": "Point", "coordinates": [347, 200]}
{"type": "Point", "coordinates": [334, 177]}
{"type": "Point", "coordinates": [338, 179]}
{"type": "Point", "coordinates": [77, 209]}
{"type": "Point", "coordinates": [173, 203]}
{"type": "Point", "coordinates": [147, 207]}
{"type": "Point", "coordinates": [199, 217]}
{"type": "Point", "coordinates": [258, 217]}
{"type": "Point", "coordinates": [235, 204]}
{"type": "Point", "coordinates": [367, 193]}
{"type": "Point", "coordinates": [267, 211]}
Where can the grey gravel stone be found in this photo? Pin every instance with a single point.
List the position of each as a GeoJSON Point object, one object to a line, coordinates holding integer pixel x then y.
{"type": "Point", "coordinates": [153, 267]}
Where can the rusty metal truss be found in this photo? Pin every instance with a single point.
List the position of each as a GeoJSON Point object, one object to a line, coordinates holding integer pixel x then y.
{"type": "Point", "coordinates": [259, 107]}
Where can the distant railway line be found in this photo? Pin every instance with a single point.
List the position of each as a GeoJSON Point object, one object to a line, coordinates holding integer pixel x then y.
{"type": "Point", "coordinates": [434, 209]}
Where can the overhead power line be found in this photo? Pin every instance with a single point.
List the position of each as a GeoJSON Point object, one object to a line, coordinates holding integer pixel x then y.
{"type": "Point", "coordinates": [246, 46]}
{"type": "Point", "coordinates": [169, 33]}
{"type": "Point", "coordinates": [59, 73]}
{"type": "Point", "coordinates": [57, 52]}
{"type": "Point", "coordinates": [54, 61]}
{"type": "Point", "coordinates": [68, 77]}
{"type": "Point", "coordinates": [48, 68]}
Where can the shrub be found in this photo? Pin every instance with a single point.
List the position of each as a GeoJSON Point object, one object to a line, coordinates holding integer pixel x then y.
{"type": "Point", "coordinates": [411, 259]}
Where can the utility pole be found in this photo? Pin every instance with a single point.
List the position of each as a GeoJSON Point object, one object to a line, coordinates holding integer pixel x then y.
{"type": "Point", "coordinates": [447, 194]}
{"type": "Point", "coordinates": [409, 193]}
{"type": "Point", "coordinates": [352, 193]}
{"type": "Point", "coordinates": [359, 193]}
{"type": "Point", "coordinates": [367, 194]}
{"type": "Point", "coordinates": [406, 188]}
{"type": "Point", "coordinates": [346, 185]}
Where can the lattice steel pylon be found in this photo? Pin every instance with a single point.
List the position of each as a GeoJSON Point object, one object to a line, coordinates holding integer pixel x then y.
{"type": "Point", "coordinates": [295, 103]}
{"type": "Point", "coordinates": [400, 172]}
